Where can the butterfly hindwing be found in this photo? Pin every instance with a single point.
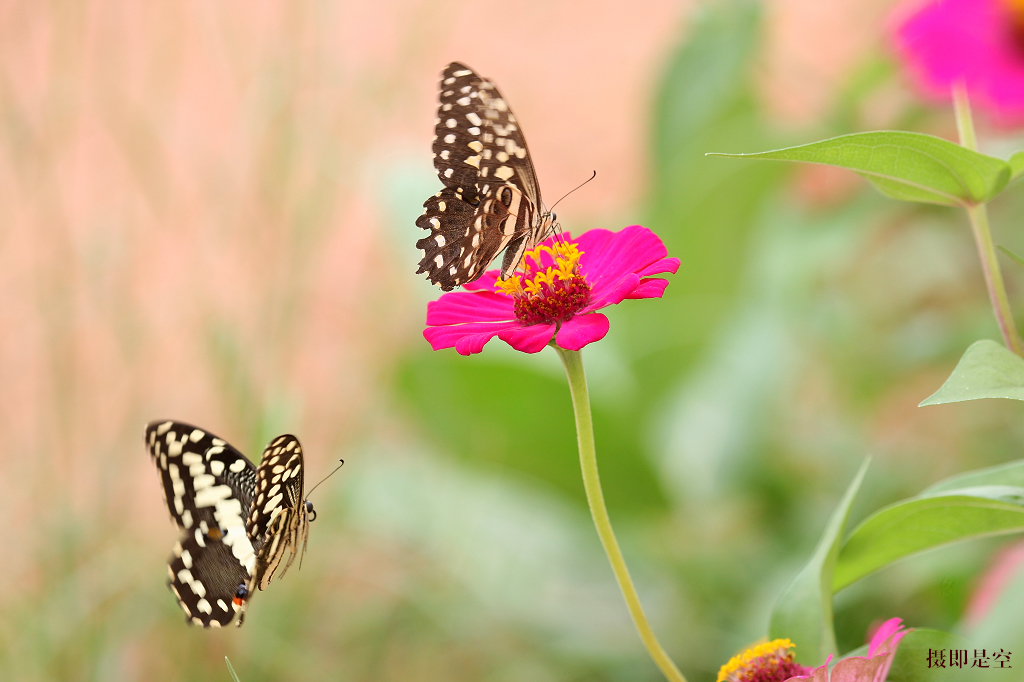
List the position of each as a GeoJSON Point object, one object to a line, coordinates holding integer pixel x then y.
{"type": "Point", "coordinates": [208, 487]}
{"type": "Point", "coordinates": [491, 200]}
{"type": "Point", "coordinates": [205, 578]}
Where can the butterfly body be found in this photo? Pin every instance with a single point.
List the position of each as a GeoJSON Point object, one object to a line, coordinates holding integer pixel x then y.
{"type": "Point", "coordinates": [238, 521]}
{"type": "Point", "coordinates": [491, 199]}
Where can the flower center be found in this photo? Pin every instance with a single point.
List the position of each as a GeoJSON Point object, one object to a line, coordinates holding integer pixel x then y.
{"type": "Point", "coordinates": [551, 288]}
{"type": "Point", "coordinates": [768, 662]}
{"type": "Point", "coordinates": [1015, 24]}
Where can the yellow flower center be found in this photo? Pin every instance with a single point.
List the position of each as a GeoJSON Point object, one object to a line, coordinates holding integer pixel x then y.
{"type": "Point", "coordinates": [768, 662]}
{"type": "Point", "coordinates": [551, 288]}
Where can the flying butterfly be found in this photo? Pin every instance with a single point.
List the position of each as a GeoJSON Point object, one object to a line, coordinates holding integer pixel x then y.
{"type": "Point", "coordinates": [239, 522]}
{"type": "Point", "coordinates": [491, 200]}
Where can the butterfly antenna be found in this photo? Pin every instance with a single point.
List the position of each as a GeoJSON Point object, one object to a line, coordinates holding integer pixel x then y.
{"type": "Point", "coordinates": [325, 478]}
{"type": "Point", "coordinates": [550, 210]}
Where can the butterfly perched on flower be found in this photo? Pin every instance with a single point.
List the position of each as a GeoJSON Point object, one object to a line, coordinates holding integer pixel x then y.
{"type": "Point", "coordinates": [491, 200]}
{"type": "Point", "coordinates": [239, 522]}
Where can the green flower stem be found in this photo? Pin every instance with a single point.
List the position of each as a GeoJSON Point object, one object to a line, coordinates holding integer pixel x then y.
{"type": "Point", "coordinates": [994, 278]}
{"type": "Point", "coordinates": [573, 363]}
{"type": "Point", "coordinates": [964, 119]}
{"type": "Point", "coordinates": [978, 215]}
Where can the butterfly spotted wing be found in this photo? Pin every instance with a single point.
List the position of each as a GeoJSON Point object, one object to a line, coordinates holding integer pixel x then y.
{"type": "Point", "coordinates": [208, 487]}
{"type": "Point", "coordinates": [278, 520]}
{"type": "Point", "coordinates": [491, 200]}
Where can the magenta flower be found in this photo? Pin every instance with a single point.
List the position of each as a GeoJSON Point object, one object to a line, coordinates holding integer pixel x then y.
{"type": "Point", "coordinates": [874, 668]}
{"type": "Point", "coordinates": [564, 281]}
{"type": "Point", "coordinates": [977, 42]}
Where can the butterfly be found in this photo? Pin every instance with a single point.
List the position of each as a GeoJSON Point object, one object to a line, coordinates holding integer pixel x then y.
{"type": "Point", "coordinates": [239, 522]}
{"type": "Point", "coordinates": [491, 200]}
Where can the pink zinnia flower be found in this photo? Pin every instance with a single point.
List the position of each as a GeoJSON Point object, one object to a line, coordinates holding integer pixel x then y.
{"type": "Point", "coordinates": [977, 42]}
{"type": "Point", "coordinates": [563, 283]}
{"type": "Point", "coordinates": [874, 668]}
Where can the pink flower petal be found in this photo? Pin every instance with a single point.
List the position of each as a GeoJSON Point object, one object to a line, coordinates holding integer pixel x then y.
{"type": "Point", "coordinates": [462, 306]}
{"type": "Point", "coordinates": [886, 630]}
{"type": "Point", "coordinates": [650, 288]}
{"type": "Point", "coordinates": [608, 257]}
{"type": "Point", "coordinates": [581, 330]}
{"type": "Point", "coordinates": [860, 669]}
{"type": "Point", "coordinates": [663, 265]}
{"type": "Point", "coordinates": [612, 295]}
{"type": "Point", "coordinates": [874, 668]}
{"type": "Point", "coordinates": [530, 339]}
{"type": "Point", "coordinates": [466, 338]}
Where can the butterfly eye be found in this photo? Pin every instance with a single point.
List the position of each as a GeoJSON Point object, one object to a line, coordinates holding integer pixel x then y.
{"type": "Point", "coordinates": [310, 511]}
{"type": "Point", "coordinates": [506, 196]}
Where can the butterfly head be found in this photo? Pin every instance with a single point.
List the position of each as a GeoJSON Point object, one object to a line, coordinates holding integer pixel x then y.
{"type": "Point", "coordinates": [548, 226]}
{"type": "Point", "coordinates": [309, 511]}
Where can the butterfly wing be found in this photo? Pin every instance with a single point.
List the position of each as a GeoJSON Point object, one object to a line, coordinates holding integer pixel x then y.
{"type": "Point", "coordinates": [208, 487]}
{"type": "Point", "coordinates": [278, 521]}
{"type": "Point", "coordinates": [205, 577]}
{"type": "Point", "coordinates": [491, 199]}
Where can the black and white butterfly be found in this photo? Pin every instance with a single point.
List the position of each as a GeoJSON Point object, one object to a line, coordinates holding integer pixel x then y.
{"type": "Point", "coordinates": [491, 200]}
{"type": "Point", "coordinates": [239, 522]}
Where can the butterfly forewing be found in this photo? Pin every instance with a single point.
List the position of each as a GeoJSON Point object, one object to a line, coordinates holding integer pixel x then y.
{"type": "Point", "coordinates": [278, 519]}
{"type": "Point", "coordinates": [208, 487]}
{"type": "Point", "coordinates": [278, 484]}
{"type": "Point", "coordinates": [491, 200]}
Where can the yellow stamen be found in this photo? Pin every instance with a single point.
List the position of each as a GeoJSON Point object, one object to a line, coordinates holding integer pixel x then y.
{"type": "Point", "coordinates": [776, 646]}
{"type": "Point", "coordinates": [509, 286]}
{"type": "Point", "coordinates": [566, 257]}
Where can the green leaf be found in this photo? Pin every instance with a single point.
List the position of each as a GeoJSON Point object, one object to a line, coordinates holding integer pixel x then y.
{"type": "Point", "coordinates": [987, 370]}
{"type": "Point", "coordinates": [1016, 163]}
{"type": "Point", "coordinates": [1010, 473]}
{"type": "Point", "coordinates": [911, 661]}
{"type": "Point", "coordinates": [925, 522]}
{"type": "Point", "coordinates": [804, 611]}
{"type": "Point", "coordinates": [906, 166]}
